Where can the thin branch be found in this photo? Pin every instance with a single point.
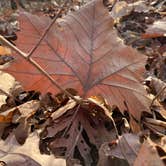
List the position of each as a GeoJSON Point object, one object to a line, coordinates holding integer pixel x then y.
{"type": "Point", "coordinates": [47, 29]}
{"type": "Point", "coordinates": [36, 65]}
{"type": "Point", "coordinates": [6, 42]}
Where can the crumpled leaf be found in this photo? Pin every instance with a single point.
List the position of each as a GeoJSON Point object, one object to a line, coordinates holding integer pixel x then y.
{"type": "Point", "coordinates": [148, 155]}
{"type": "Point", "coordinates": [17, 159]}
{"type": "Point", "coordinates": [77, 131]}
{"type": "Point", "coordinates": [8, 84]}
{"type": "Point", "coordinates": [156, 126]}
{"type": "Point", "coordinates": [28, 154]}
{"type": "Point", "coordinates": [123, 8]}
{"type": "Point", "coordinates": [15, 119]}
{"type": "Point", "coordinates": [83, 51]}
{"type": "Point", "coordinates": [120, 9]}
{"type": "Point", "coordinates": [126, 148]}
{"type": "Point", "coordinates": [157, 86]}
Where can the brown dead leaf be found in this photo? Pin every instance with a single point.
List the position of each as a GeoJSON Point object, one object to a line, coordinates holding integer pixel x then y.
{"type": "Point", "coordinates": [16, 120]}
{"type": "Point", "coordinates": [157, 126]}
{"type": "Point", "coordinates": [120, 9]}
{"type": "Point", "coordinates": [8, 85]}
{"type": "Point", "coordinates": [125, 149]}
{"type": "Point", "coordinates": [17, 159]}
{"type": "Point", "coordinates": [135, 126]}
{"type": "Point", "coordinates": [83, 51]}
{"type": "Point", "coordinates": [8, 118]}
{"type": "Point", "coordinates": [28, 154]}
{"type": "Point", "coordinates": [157, 87]}
{"type": "Point", "coordinates": [123, 9]}
{"type": "Point", "coordinates": [77, 131]}
{"type": "Point", "coordinates": [148, 155]}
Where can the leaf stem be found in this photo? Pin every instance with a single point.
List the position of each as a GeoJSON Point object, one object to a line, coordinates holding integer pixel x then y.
{"type": "Point", "coordinates": [23, 54]}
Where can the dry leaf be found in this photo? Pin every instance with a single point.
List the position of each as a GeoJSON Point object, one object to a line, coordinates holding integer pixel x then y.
{"type": "Point", "coordinates": [7, 85]}
{"type": "Point", "coordinates": [126, 148]}
{"type": "Point", "coordinates": [148, 155]}
{"type": "Point", "coordinates": [156, 85]}
{"type": "Point", "coordinates": [77, 131]}
{"type": "Point", "coordinates": [28, 154]}
{"type": "Point", "coordinates": [83, 51]}
{"type": "Point", "coordinates": [18, 115]}
{"type": "Point", "coordinates": [157, 126]}
{"type": "Point", "coordinates": [121, 9]}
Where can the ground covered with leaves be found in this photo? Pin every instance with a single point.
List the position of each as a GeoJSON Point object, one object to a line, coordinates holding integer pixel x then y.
{"type": "Point", "coordinates": [82, 82]}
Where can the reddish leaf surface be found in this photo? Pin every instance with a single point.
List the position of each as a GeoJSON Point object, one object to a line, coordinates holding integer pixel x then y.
{"type": "Point", "coordinates": [83, 52]}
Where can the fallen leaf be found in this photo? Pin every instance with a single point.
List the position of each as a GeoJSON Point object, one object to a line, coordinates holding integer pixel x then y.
{"type": "Point", "coordinates": [8, 84]}
{"type": "Point", "coordinates": [157, 87]}
{"type": "Point", "coordinates": [148, 155]}
{"type": "Point", "coordinates": [28, 154]}
{"type": "Point", "coordinates": [18, 115]}
{"type": "Point", "coordinates": [25, 109]}
{"type": "Point", "coordinates": [83, 51]}
{"type": "Point", "coordinates": [156, 126]}
{"type": "Point", "coordinates": [17, 159]}
{"type": "Point", "coordinates": [123, 8]}
{"type": "Point", "coordinates": [77, 131]}
{"type": "Point", "coordinates": [124, 150]}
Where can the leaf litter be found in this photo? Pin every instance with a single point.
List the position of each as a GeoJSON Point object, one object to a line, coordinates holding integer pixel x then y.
{"type": "Point", "coordinates": [97, 131]}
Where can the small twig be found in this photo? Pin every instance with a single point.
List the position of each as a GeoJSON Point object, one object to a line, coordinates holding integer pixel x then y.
{"type": "Point", "coordinates": [25, 56]}
{"type": "Point", "coordinates": [6, 42]}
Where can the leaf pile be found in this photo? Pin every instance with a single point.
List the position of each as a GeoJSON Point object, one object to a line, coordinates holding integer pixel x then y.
{"type": "Point", "coordinates": [110, 119]}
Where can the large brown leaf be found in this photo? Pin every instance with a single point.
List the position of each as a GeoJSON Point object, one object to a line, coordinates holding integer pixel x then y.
{"type": "Point", "coordinates": [83, 52]}
{"type": "Point", "coordinates": [78, 131]}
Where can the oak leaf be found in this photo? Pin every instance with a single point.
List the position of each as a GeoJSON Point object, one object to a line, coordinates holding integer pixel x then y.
{"type": "Point", "coordinates": [84, 52]}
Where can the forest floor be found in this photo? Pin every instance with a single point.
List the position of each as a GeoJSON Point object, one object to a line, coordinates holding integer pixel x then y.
{"type": "Point", "coordinates": [45, 118]}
